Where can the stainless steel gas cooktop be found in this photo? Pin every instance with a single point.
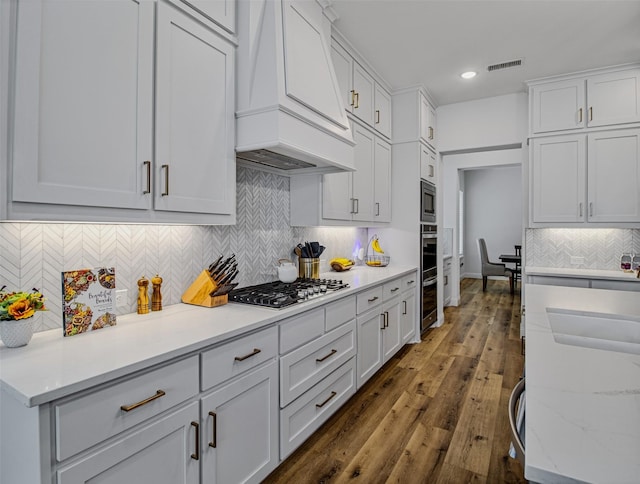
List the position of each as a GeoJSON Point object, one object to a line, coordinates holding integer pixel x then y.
{"type": "Point", "coordinates": [279, 295]}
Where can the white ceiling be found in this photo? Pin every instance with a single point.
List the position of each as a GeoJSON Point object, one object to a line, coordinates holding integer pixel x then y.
{"type": "Point", "coordinates": [430, 42]}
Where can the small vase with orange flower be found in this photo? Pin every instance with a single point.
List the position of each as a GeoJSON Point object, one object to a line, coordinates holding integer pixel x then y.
{"type": "Point", "coordinates": [16, 316]}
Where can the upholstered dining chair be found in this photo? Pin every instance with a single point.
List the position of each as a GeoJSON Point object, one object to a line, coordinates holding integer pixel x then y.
{"type": "Point", "coordinates": [492, 268]}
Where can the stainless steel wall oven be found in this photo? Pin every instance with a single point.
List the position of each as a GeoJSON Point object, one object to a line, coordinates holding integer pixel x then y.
{"type": "Point", "coordinates": [427, 202]}
{"type": "Point", "coordinates": [429, 270]}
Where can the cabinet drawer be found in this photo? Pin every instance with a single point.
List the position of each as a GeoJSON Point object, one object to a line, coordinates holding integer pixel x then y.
{"type": "Point", "coordinates": [409, 281]}
{"type": "Point", "coordinates": [300, 419]}
{"type": "Point", "coordinates": [296, 331]}
{"type": "Point", "coordinates": [340, 312]}
{"type": "Point", "coordinates": [87, 420]}
{"type": "Point", "coordinates": [391, 289]}
{"type": "Point", "coordinates": [230, 359]}
{"type": "Point", "coordinates": [306, 366]}
{"type": "Point", "coordinates": [368, 299]}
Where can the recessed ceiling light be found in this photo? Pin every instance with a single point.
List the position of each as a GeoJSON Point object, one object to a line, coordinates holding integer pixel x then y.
{"type": "Point", "coordinates": [468, 74]}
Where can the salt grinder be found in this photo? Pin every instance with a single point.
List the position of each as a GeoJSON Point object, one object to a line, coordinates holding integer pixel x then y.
{"type": "Point", "coordinates": [143, 295]}
{"type": "Point", "coordinates": [156, 296]}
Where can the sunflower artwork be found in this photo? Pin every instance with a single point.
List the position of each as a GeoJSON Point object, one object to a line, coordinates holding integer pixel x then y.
{"type": "Point", "coordinates": [88, 300]}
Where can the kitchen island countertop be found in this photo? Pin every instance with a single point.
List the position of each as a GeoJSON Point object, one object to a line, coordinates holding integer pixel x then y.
{"type": "Point", "coordinates": [52, 366]}
{"type": "Point", "coordinates": [582, 404]}
{"type": "Point", "coordinates": [612, 275]}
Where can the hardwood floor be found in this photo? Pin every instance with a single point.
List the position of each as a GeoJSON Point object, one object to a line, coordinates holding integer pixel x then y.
{"type": "Point", "coordinates": [435, 413]}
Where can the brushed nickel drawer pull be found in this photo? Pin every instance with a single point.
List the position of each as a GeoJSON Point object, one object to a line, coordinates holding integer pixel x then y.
{"type": "Point", "coordinates": [147, 164]}
{"type": "Point", "coordinates": [196, 455]}
{"type": "Point", "coordinates": [333, 352]}
{"type": "Point", "coordinates": [377, 116]}
{"type": "Point", "coordinates": [580, 115]}
{"type": "Point", "coordinates": [166, 180]}
{"type": "Point", "coordinates": [320, 405]}
{"type": "Point", "coordinates": [253, 353]}
{"type": "Point", "coordinates": [353, 98]}
{"type": "Point", "coordinates": [375, 298]}
{"type": "Point", "coordinates": [590, 113]}
{"type": "Point", "coordinates": [214, 439]}
{"type": "Point", "coordinates": [128, 408]}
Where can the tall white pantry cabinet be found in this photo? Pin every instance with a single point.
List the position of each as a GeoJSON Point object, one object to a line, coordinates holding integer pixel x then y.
{"type": "Point", "coordinates": [123, 112]}
{"type": "Point", "coordinates": [585, 149]}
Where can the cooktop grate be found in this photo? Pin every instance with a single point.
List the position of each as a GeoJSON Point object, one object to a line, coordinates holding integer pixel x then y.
{"type": "Point", "coordinates": [279, 295]}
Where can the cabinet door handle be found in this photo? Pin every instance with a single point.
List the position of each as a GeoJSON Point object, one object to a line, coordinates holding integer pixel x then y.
{"type": "Point", "coordinates": [357, 202]}
{"type": "Point", "coordinates": [580, 208]}
{"type": "Point", "coordinates": [333, 352]}
{"type": "Point", "coordinates": [320, 405]}
{"type": "Point", "coordinates": [375, 298]}
{"type": "Point", "coordinates": [377, 116]}
{"type": "Point", "coordinates": [253, 353]}
{"type": "Point", "coordinates": [196, 455]}
{"type": "Point", "coordinates": [353, 98]}
{"type": "Point", "coordinates": [377, 209]}
{"type": "Point", "coordinates": [590, 209]}
{"type": "Point", "coordinates": [386, 319]}
{"type": "Point", "coordinates": [383, 325]}
{"type": "Point", "coordinates": [214, 437]}
{"type": "Point", "coordinates": [590, 113]}
{"type": "Point", "coordinates": [128, 408]}
{"type": "Point", "coordinates": [580, 115]}
{"type": "Point", "coordinates": [404, 311]}
{"type": "Point", "coordinates": [147, 165]}
{"type": "Point", "coordinates": [430, 132]}
{"type": "Point", "coordinates": [431, 171]}
{"type": "Point", "coordinates": [446, 280]}
{"type": "Point", "coordinates": [395, 289]}
{"type": "Point", "coordinates": [166, 180]}
{"type": "Point", "coordinates": [357, 101]}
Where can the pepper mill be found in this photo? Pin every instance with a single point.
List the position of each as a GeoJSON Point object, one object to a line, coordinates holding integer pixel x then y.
{"type": "Point", "coordinates": [156, 296]}
{"type": "Point", "coordinates": [143, 295]}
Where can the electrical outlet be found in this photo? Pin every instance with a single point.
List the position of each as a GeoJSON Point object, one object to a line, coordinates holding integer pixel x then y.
{"type": "Point", "coordinates": [575, 260]}
{"type": "Point", "coordinates": [121, 298]}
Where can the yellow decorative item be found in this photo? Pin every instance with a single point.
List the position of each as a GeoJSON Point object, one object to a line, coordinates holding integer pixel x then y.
{"type": "Point", "coordinates": [340, 264]}
{"type": "Point", "coordinates": [375, 260]}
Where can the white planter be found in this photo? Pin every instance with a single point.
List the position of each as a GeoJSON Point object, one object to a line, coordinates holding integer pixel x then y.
{"type": "Point", "coordinates": [16, 333]}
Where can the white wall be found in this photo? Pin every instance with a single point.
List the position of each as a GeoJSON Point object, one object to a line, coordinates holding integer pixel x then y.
{"type": "Point", "coordinates": [493, 211]}
{"type": "Point", "coordinates": [489, 122]}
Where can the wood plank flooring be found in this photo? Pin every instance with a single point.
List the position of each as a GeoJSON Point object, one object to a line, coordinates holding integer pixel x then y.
{"type": "Point", "coordinates": [435, 413]}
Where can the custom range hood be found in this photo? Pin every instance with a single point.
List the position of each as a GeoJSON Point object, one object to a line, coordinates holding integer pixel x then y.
{"type": "Point", "coordinates": [289, 118]}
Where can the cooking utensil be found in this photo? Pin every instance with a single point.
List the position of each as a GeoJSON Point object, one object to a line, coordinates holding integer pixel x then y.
{"type": "Point", "coordinates": [315, 249]}
{"type": "Point", "coordinates": [321, 250]}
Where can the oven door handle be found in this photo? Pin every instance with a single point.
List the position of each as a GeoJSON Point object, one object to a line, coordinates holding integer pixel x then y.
{"type": "Point", "coordinates": [430, 282]}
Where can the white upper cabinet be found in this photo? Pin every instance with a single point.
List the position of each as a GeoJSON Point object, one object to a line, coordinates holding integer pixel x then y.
{"type": "Point", "coordinates": [102, 136]}
{"type": "Point", "coordinates": [613, 176]}
{"type": "Point", "coordinates": [428, 164]}
{"type": "Point", "coordinates": [361, 94]}
{"type": "Point", "coordinates": [427, 122]}
{"type": "Point", "coordinates": [606, 99]}
{"type": "Point", "coordinates": [382, 181]}
{"type": "Point", "coordinates": [614, 98]}
{"type": "Point", "coordinates": [83, 103]}
{"type": "Point", "coordinates": [592, 178]}
{"type": "Point", "coordinates": [558, 106]}
{"type": "Point", "coordinates": [382, 111]}
{"type": "Point", "coordinates": [222, 12]}
{"type": "Point", "coordinates": [558, 179]}
{"type": "Point", "coordinates": [195, 169]}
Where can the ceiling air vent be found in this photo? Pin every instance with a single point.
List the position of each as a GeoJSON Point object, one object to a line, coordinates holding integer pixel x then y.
{"type": "Point", "coordinates": [505, 65]}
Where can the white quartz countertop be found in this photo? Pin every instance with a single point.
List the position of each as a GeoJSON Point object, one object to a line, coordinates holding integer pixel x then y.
{"type": "Point", "coordinates": [616, 275]}
{"type": "Point", "coordinates": [582, 404]}
{"type": "Point", "coordinates": [52, 366]}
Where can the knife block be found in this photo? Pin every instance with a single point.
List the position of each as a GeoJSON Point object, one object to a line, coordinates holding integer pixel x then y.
{"type": "Point", "coordinates": [198, 293]}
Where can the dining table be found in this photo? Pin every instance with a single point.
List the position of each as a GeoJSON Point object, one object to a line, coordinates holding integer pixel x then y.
{"type": "Point", "coordinates": [515, 259]}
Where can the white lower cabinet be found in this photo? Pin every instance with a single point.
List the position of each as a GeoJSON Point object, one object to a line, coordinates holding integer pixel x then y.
{"type": "Point", "coordinates": [408, 316]}
{"type": "Point", "coordinates": [391, 339]}
{"type": "Point", "coordinates": [318, 375]}
{"type": "Point", "coordinates": [369, 360]}
{"type": "Point", "coordinates": [239, 428]}
{"type": "Point", "coordinates": [162, 452]}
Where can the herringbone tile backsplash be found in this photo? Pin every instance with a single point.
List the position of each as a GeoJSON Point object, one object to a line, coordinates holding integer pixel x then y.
{"type": "Point", "coordinates": [600, 248]}
{"type": "Point", "coordinates": [34, 255]}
